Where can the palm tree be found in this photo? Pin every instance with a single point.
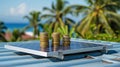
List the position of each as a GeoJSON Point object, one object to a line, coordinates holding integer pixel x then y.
{"type": "Point", "coordinates": [57, 14]}
{"type": "Point", "coordinates": [34, 19]}
{"type": "Point", "coordinates": [2, 31]}
{"type": "Point", "coordinates": [16, 35]}
{"type": "Point", "coordinates": [99, 13]}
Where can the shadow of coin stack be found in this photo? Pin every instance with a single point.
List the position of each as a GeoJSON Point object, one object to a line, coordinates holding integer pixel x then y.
{"type": "Point", "coordinates": [44, 41]}
{"type": "Point", "coordinates": [66, 41]}
{"type": "Point", "coordinates": [55, 41]}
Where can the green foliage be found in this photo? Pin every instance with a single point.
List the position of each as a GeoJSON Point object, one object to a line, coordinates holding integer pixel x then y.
{"type": "Point", "coordinates": [103, 36]}
{"type": "Point", "coordinates": [48, 28]}
{"type": "Point", "coordinates": [57, 14]}
{"type": "Point", "coordinates": [34, 18]}
{"type": "Point", "coordinates": [2, 27]}
{"type": "Point", "coordinates": [73, 33]}
{"type": "Point", "coordinates": [65, 31]}
{"type": "Point", "coordinates": [2, 31]}
{"type": "Point", "coordinates": [57, 20]}
{"type": "Point", "coordinates": [100, 21]}
{"type": "Point", "coordinates": [101, 13]}
{"type": "Point", "coordinates": [16, 35]}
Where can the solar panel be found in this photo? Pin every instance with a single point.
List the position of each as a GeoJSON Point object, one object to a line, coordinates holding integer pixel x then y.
{"type": "Point", "coordinates": [34, 48]}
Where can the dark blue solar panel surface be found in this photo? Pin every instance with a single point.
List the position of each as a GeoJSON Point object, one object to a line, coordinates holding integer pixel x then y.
{"type": "Point", "coordinates": [73, 45]}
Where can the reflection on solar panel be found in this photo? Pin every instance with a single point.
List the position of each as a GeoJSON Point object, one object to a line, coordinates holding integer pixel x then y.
{"type": "Point", "coordinates": [34, 48]}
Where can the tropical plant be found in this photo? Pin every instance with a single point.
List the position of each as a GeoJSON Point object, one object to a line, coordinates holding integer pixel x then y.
{"type": "Point", "coordinates": [47, 27]}
{"type": "Point", "coordinates": [2, 31]}
{"type": "Point", "coordinates": [65, 31]}
{"type": "Point", "coordinates": [16, 35]}
{"type": "Point", "coordinates": [57, 14]}
{"type": "Point", "coordinates": [99, 13]}
{"type": "Point", "coordinates": [34, 19]}
{"type": "Point", "coordinates": [103, 37]}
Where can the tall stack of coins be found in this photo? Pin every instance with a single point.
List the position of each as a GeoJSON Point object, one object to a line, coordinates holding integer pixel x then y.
{"type": "Point", "coordinates": [44, 41]}
{"type": "Point", "coordinates": [66, 40]}
{"type": "Point", "coordinates": [55, 40]}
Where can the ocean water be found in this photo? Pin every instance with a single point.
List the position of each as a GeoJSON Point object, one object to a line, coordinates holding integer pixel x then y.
{"type": "Point", "coordinates": [12, 26]}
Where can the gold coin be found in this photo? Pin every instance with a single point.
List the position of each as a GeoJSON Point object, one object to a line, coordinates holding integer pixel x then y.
{"type": "Point", "coordinates": [44, 39]}
{"type": "Point", "coordinates": [44, 44]}
{"type": "Point", "coordinates": [43, 34]}
{"type": "Point", "coordinates": [66, 36]}
{"type": "Point", "coordinates": [56, 35]}
{"type": "Point", "coordinates": [56, 43]}
{"type": "Point", "coordinates": [55, 40]}
{"type": "Point", "coordinates": [66, 43]}
{"type": "Point", "coordinates": [66, 40]}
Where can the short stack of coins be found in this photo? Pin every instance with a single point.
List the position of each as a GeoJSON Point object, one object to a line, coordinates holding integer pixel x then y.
{"type": "Point", "coordinates": [44, 41]}
{"type": "Point", "coordinates": [55, 41]}
{"type": "Point", "coordinates": [66, 40]}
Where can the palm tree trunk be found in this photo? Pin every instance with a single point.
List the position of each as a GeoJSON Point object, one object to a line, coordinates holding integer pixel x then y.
{"type": "Point", "coordinates": [35, 32]}
{"type": "Point", "coordinates": [61, 22]}
{"type": "Point", "coordinates": [56, 27]}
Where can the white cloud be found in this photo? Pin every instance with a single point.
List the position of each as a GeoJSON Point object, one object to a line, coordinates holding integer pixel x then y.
{"type": "Point", "coordinates": [19, 10]}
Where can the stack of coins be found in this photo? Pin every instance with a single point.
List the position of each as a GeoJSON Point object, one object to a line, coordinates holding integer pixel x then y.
{"type": "Point", "coordinates": [66, 40]}
{"type": "Point", "coordinates": [44, 40]}
{"type": "Point", "coordinates": [55, 40]}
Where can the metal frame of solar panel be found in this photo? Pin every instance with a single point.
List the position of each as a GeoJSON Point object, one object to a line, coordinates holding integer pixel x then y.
{"type": "Point", "coordinates": [34, 48]}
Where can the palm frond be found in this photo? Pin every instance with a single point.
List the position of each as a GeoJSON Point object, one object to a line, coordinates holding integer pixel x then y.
{"type": "Point", "coordinates": [2, 38]}
{"type": "Point", "coordinates": [90, 2]}
{"type": "Point", "coordinates": [70, 22]}
{"type": "Point", "coordinates": [60, 5]}
{"type": "Point", "coordinates": [47, 16]}
{"type": "Point", "coordinates": [66, 10]}
{"type": "Point", "coordinates": [106, 25]}
{"type": "Point", "coordinates": [26, 28]}
{"type": "Point", "coordinates": [84, 25]}
{"type": "Point", "coordinates": [48, 9]}
{"type": "Point", "coordinates": [27, 17]}
{"type": "Point", "coordinates": [80, 9]}
{"type": "Point", "coordinates": [116, 17]}
{"type": "Point", "coordinates": [53, 6]}
{"type": "Point", "coordinates": [49, 20]}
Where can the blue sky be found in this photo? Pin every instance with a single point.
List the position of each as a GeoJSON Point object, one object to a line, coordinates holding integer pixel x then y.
{"type": "Point", "coordinates": [14, 10]}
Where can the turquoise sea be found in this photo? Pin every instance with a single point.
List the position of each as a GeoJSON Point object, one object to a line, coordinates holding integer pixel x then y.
{"type": "Point", "coordinates": [16, 25]}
